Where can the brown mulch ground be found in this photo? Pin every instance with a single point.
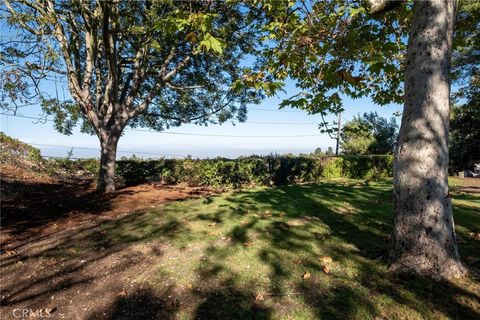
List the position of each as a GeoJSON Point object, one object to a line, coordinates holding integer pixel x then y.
{"type": "Point", "coordinates": [36, 204]}
{"type": "Point", "coordinates": [51, 259]}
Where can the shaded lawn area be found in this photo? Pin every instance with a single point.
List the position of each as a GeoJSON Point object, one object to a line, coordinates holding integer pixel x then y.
{"type": "Point", "coordinates": [253, 254]}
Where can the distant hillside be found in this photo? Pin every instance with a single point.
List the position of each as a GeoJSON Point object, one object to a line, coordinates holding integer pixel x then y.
{"type": "Point", "coordinates": [14, 152]}
{"type": "Point", "coordinates": [20, 160]}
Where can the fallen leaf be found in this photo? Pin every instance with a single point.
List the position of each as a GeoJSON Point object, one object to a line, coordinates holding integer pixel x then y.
{"type": "Point", "coordinates": [284, 226]}
{"type": "Point", "coordinates": [471, 260]}
{"type": "Point", "coordinates": [174, 304]}
{"type": "Point", "coordinates": [326, 269]}
{"type": "Point", "coordinates": [10, 253]}
{"type": "Point", "coordinates": [122, 293]}
{"type": "Point", "coordinates": [474, 235]}
{"type": "Point", "coordinates": [306, 275]}
{"type": "Point", "coordinates": [259, 297]}
{"type": "Point", "coordinates": [326, 259]}
{"type": "Point", "coordinates": [51, 261]}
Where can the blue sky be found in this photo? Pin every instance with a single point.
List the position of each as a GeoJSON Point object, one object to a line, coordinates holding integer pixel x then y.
{"type": "Point", "coordinates": [152, 144]}
{"type": "Point", "coordinates": [164, 144]}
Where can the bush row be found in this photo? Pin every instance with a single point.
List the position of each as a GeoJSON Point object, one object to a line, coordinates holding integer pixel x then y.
{"type": "Point", "coordinates": [219, 172]}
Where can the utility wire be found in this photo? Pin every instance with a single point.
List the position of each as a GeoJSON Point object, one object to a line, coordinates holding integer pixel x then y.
{"type": "Point", "coordinates": [224, 135]}
{"type": "Point", "coordinates": [273, 110]}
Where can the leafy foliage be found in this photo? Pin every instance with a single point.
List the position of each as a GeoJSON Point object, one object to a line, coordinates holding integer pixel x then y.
{"type": "Point", "coordinates": [317, 43]}
{"type": "Point", "coordinates": [269, 170]}
{"type": "Point", "coordinates": [185, 54]}
{"type": "Point", "coordinates": [336, 47]}
{"type": "Point", "coordinates": [466, 54]}
{"type": "Point", "coordinates": [369, 134]}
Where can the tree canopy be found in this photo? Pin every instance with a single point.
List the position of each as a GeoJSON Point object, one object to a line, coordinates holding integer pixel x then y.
{"type": "Point", "coordinates": [335, 48]}
{"type": "Point", "coordinates": [369, 134]}
{"type": "Point", "coordinates": [169, 61]}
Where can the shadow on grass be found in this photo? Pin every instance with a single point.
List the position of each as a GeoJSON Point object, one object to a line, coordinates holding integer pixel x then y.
{"type": "Point", "coordinates": [230, 302]}
{"type": "Point", "coordinates": [286, 229]}
{"type": "Point", "coordinates": [366, 227]}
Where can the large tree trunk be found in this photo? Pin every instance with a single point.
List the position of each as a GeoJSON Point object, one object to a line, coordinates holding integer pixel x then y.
{"type": "Point", "coordinates": [106, 176]}
{"type": "Point", "coordinates": [423, 239]}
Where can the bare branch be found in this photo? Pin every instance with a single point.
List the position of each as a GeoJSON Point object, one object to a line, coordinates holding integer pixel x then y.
{"type": "Point", "coordinates": [182, 88]}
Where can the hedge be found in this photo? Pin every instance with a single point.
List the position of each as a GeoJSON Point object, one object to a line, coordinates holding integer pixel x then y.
{"type": "Point", "coordinates": [255, 170]}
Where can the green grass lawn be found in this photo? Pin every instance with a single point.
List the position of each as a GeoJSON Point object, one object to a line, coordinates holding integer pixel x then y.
{"type": "Point", "coordinates": [244, 255]}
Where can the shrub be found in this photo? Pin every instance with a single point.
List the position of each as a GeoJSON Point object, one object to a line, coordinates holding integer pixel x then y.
{"type": "Point", "coordinates": [332, 167]}
{"type": "Point", "coordinates": [218, 172]}
{"type": "Point", "coordinates": [268, 170]}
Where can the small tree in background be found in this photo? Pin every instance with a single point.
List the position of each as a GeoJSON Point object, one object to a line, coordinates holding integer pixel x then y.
{"type": "Point", "coordinates": [318, 151]}
{"type": "Point", "coordinates": [369, 134]}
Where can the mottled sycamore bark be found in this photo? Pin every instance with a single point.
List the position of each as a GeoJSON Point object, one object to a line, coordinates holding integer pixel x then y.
{"type": "Point", "coordinates": [423, 239]}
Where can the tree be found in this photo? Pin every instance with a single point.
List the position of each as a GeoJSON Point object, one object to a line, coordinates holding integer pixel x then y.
{"type": "Point", "coordinates": [356, 137]}
{"type": "Point", "coordinates": [152, 64]}
{"type": "Point", "coordinates": [423, 238]}
{"type": "Point", "coordinates": [317, 44]}
{"type": "Point", "coordinates": [329, 152]}
{"type": "Point", "coordinates": [369, 134]}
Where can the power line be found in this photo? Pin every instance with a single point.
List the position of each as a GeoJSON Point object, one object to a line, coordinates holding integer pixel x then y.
{"type": "Point", "coordinates": [281, 123]}
{"type": "Point", "coordinates": [224, 135]}
{"type": "Point", "coordinates": [274, 110]}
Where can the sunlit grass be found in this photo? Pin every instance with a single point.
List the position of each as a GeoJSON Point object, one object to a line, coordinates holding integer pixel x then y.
{"type": "Point", "coordinates": [244, 254]}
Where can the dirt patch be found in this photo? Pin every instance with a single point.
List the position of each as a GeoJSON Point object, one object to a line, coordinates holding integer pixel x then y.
{"type": "Point", "coordinates": [36, 204]}
{"type": "Point", "coordinates": [58, 262]}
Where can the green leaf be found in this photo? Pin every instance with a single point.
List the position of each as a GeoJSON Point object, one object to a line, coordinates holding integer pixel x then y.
{"type": "Point", "coordinates": [209, 42]}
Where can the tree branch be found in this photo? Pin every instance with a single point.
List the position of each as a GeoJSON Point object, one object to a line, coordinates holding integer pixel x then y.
{"type": "Point", "coordinates": [381, 6]}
